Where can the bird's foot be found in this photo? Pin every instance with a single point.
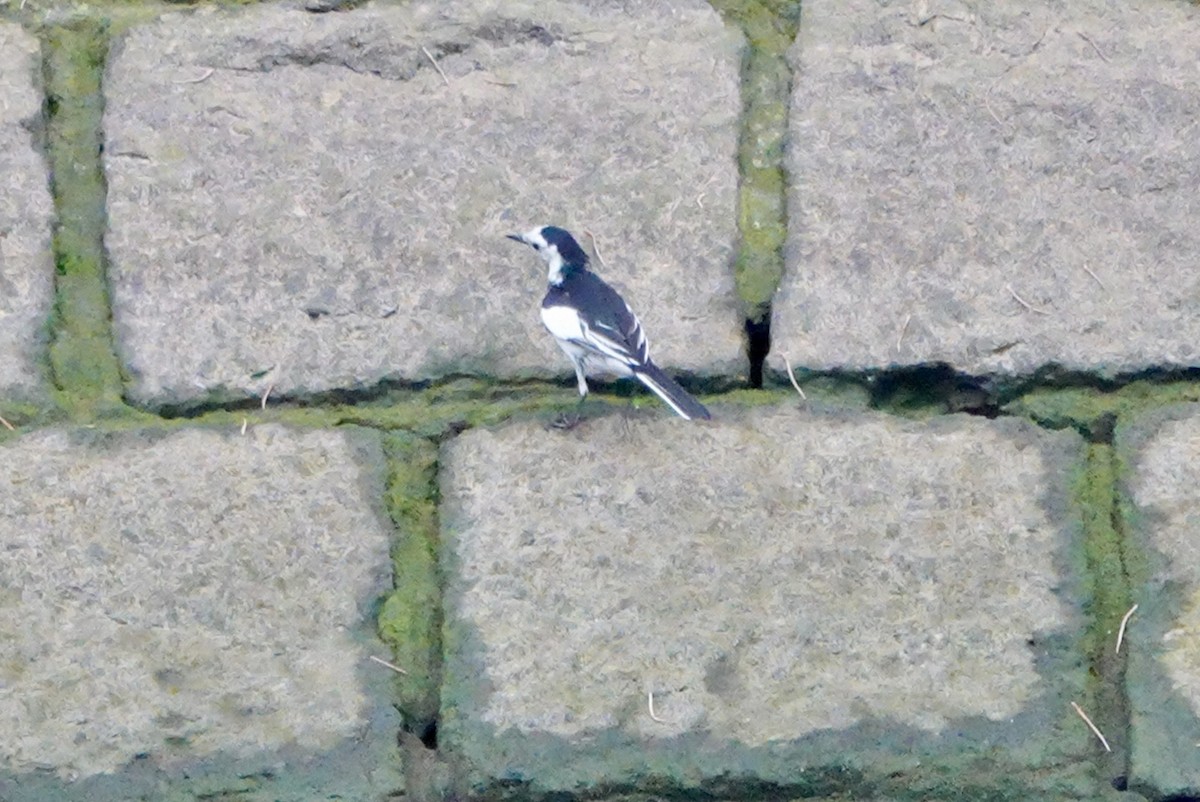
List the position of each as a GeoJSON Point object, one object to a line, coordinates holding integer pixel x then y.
{"type": "Point", "coordinates": [566, 421]}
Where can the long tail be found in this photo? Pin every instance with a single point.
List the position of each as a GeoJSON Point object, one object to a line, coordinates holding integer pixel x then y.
{"type": "Point", "coordinates": [665, 388]}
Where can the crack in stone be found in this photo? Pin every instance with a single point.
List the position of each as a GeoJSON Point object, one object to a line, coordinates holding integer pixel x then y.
{"type": "Point", "coordinates": [391, 62]}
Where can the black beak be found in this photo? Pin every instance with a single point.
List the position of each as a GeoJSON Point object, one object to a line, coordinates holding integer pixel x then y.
{"type": "Point", "coordinates": [516, 237]}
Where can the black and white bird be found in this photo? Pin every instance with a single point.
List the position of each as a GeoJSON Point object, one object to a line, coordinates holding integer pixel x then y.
{"type": "Point", "coordinates": [594, 325]}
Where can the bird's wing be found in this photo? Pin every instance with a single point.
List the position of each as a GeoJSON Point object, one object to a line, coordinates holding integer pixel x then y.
{"type": "Point", "coordinates": [607, 323]}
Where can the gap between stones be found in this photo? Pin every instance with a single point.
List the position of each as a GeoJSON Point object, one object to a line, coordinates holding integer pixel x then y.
{"type": "Point", "coordinates": [83, 361]}
{"type": "Point", "coordinates": [1105, 545]}
{"type": "Point", "coordinates": [410, 619]}
{"type": "Point", "coordinates": [770, 27]}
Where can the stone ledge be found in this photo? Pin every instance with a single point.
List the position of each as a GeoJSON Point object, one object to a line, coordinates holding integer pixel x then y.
{"type": "Point", "coordinates": [193, 604]}
{"type": "Point", "coordinates": [998, 187]}
{"type": "Point", "coordinates": [815, 601]}
{"type": "Point", "coordinates": [301, 201]}
{"type": "Point", "coordinates": [1163, 673]}
{"type": "Point", "coordinates": [26, 214]}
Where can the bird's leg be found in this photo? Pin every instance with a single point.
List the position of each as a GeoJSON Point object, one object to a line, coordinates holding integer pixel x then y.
{"type": "Point", "coordinates": [567, 421]}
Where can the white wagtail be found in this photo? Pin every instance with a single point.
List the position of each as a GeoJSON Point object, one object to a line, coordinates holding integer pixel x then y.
{"type": "Point", "coordinates": [594, 325]}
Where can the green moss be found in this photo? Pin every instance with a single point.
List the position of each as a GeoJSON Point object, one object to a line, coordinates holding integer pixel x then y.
{"type": "Point", "coordinates": [22, 416]}
{"type": "Point", "coordinates": [1077, 406]}
{"type": "Point", "coordinates": [411, 618]}
{"type": "Point", "coordinates": [1108, 592]}
{"type": "Point", "coordinates": [760, 214]}
{"type": "Point", "coordinates": [753, 399]}
{"type": "Point", "coordinates": [432, 414]}
{"type": "Point", "coordinates": [435, 420]}
{"type": "Point", "coordinates": [769, 28]}
{"type": "Point", "coordinates": [82, 360]}
{"type": "Point", "coordinates": [769, 25]}
{"type": "Point", "coordinates": [757, 275]}
{"type": "Point", "coordinates": [1096, 494]}
{"type": "Point", "coordinates": [914, 402]}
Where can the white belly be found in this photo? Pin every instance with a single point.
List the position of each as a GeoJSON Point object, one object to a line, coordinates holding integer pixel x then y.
{"type": "Point", "coordinates": [564, 324]}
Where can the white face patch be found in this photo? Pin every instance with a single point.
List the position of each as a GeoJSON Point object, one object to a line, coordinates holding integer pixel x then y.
{"type": "Point", "coordinates": [549, 254]}
{"type": "Point", "coordinates": [534, 237]}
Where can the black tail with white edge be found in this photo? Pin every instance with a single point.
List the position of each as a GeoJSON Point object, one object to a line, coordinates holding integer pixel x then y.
{"type": "Point", "coordinates": [669, 391]}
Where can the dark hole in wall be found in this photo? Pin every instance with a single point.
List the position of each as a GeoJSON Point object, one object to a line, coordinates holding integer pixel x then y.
{"type": "Point", "coordinates": [934, 386]}
{"type": "Point", "coordinates": [758, 338]}
{"type": "Point", "coordinates": [429, 735]}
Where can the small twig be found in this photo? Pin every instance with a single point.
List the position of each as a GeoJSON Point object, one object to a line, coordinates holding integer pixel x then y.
{"type": "Point", "coordinates": [904, 328]}
{"type": "Point", "coordinates": [392, 666]}
{"type": "Point", "coordinates": [1092, 726]}
{"type": "Point", "coordinates": [650, 701]}
{"type": "Point", "coordinates": [7, 425]}
{"type": "Point", "coordinates": [792, 376]}
{"type": "Point", "coordinates": [436, 66]}
{"type": "Point", "coordinates": [267, 395]}
{"type": "Point", "coordinates": [1023, 302]}
{"type": "Point", "coordinates": [245, 423]}
{"type": "Point", "coordinates": [596, 248]}
{"type": "Point", "coordinates": [670, 210]}
{"type": "Point", "coordinates": [1093, 275]}
{"type": "Point", "coordinates": [1099, 52]}
{"type": "Point", "coordinates": [1124, 622]}
{"type": "Point", "coordinates": [987, 104]}
{"type": "Point", "coordinates": [704, 186]}
{"type": "Point", "coordinates": [203, 77]}
{"type": "Point", "coordinates": [498, 83]}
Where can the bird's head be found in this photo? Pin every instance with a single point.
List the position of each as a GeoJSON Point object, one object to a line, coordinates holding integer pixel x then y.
{"type": "Point", "coordinates": [558, 250]}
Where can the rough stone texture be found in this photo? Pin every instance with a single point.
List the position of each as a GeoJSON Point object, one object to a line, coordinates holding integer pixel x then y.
{"type": "Point", "coordinates": [199, 601]}
{"type": "Point", "coordinates": [1163, 673]}
{"type": "Point", "coordinates": [946, 155]}
{"type": "Point", "coordinates": [301, 200]}
{"type": "Point", "coordinates": [26, 211]}
{"type": "Point", "coordinates": [810, 598]}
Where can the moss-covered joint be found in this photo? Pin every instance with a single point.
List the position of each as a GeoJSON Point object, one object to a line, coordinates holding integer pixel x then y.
{"type": "Point", "coordinates": [411, 617]}
{"type": "Point", "coordinates": [83, 362]}
{"type": "Point", "coordinates": [769, 27]}
{"type": "Point", "coordinates": [1108, 597]}
{"type": "Point", "coordinates": [1081, 406]}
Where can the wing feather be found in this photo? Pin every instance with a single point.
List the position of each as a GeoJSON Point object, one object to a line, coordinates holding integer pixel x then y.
{"type": "Point", "coordinates": [607, 324]}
